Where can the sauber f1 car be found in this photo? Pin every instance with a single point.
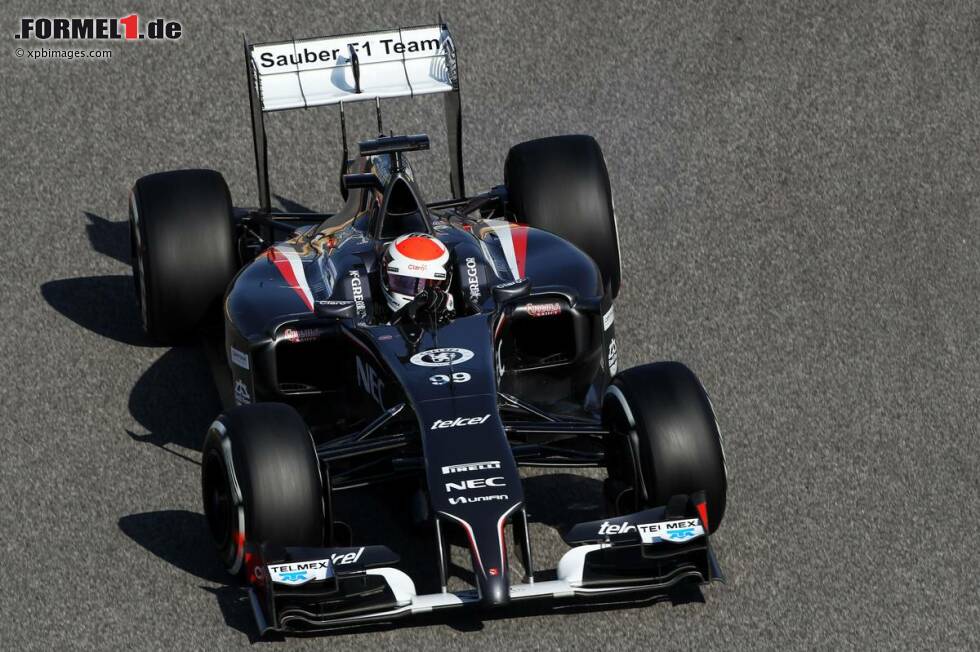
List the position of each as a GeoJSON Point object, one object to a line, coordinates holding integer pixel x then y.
{"type": "Point", "coordinates": [442, 344]}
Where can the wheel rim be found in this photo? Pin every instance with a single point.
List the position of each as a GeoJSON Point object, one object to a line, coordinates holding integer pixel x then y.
{"type": "Point", "coordinates": [141, 291]}
{"type": "Point", "coordinates": [139, 272]}
{"type": "Point", "coordinates": [219, 508]}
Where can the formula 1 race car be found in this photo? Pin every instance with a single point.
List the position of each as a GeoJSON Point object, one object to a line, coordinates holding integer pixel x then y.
{"type": "Point", "coordinates": [441, 344]}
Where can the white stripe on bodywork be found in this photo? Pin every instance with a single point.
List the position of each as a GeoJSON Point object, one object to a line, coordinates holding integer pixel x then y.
{"type": "Point", "coordinates": [296, 264]}
{"type": "Point", "coordinates": [571, 567]}
{"type": "Point", "coordinates": [503, 230]}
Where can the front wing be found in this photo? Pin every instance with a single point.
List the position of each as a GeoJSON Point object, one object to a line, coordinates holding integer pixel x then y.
{"type": "Point", "coordinates": [318, 589]}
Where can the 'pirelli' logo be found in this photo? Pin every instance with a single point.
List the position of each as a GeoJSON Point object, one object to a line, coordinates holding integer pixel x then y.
{"type": "Point", "coordinates": [471, 466]}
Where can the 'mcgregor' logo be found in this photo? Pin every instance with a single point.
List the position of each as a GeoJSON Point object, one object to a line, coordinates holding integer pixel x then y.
{"type": "Point", "coordinates": [357, 291]}
{"type": "Point", "coordinates": [473, 278]}
{"type": "Point", "coordinates": [98, 29]}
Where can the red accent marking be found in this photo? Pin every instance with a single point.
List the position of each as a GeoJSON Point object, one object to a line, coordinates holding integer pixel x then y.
{"type": "Point", "coordinates": [519, 235]}
{"type": "Point", "coordinates": [250, 559]}
{"type": "Point", "coordinates": [250, 568]}
{"type": "Point", "coordinates": [703, 515]}
{"type": "Point", "coordinates": [476, 551]}
{"type": "Point", "coordinates": [420, 248]}
{"type": "Point", "coordinates": [493, 571]}
{"type": "Point", "coordinates": [282, 264]}
{"type": "Point", "coordinates": [500, 325]}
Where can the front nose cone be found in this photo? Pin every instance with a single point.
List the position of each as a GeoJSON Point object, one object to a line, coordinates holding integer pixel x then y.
{"type": "Point", "coordinates": [494, 588]}
{"type": "Point", "coordinates": [490, 566]}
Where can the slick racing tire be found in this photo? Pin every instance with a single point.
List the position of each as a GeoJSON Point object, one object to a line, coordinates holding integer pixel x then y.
{"type": "Point", "coordinates": [261, 482]}
{"type": "Point", "coordinates": [664, 439]}
{"type": "Point", "coordinates": [183, 251]}
{"type": "Point", "coordinates": [560, 184]}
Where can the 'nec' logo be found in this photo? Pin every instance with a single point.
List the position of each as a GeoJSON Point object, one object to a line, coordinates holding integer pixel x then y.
{"type": "Point", "coordinates": [479, 483]}
{"type": "Point", "coordinates": [368, 379]}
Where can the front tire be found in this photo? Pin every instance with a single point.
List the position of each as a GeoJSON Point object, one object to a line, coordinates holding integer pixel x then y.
{"type": "Point", "coordinates": [261, 482]}
{"type": "Point", "coordinates": [183, 249]}
{"type": "Point", "coordinates": [664, 439]}
{"type": "Point", "coordinates": [560, 184]}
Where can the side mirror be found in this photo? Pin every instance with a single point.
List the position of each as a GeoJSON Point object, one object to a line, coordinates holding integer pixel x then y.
{"type": "Point", "coordinates": [511, 290]}
{"type": "Point", "coordinates": [336, 309]}
{"type": "Point", "coordinates": [362, 180]}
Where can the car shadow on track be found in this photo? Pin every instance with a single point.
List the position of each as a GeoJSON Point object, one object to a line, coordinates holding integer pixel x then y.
{"type": "Point", "coordinates": [104, 305]}
{"type": "Point", "coordinates": [107, 237]}
{"type": "Point", "coordinates": [180, 538]}
{"type": "Point", "coordinates": [175, 399]}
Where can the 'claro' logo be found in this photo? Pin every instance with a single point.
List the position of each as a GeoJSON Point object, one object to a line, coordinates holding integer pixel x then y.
{"type": "Point", "coordinates": [441, 357]}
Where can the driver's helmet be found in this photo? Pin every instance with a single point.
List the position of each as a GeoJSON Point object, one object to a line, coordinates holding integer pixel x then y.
{"type": "Point", "coordinates": [411, 264]}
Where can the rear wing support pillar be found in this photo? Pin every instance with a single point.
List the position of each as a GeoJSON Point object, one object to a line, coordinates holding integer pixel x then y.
{"type": "Point", "coordinates": [454, 117]}
{"type": "Point", "coordinates": [454, 136]}
{"type": "Point", "coordinates": [258, 131]}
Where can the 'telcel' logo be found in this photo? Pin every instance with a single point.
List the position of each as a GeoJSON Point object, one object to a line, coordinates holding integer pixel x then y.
{"type": "Point", "coordinates": [458, 422]}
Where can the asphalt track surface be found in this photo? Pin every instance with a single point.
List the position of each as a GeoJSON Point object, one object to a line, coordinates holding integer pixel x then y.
{"type": "Point", "coordinates": [799, 207]}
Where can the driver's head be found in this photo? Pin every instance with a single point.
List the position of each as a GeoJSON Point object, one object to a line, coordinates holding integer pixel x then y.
{"type": "Point", "coordinates": [411, 264]}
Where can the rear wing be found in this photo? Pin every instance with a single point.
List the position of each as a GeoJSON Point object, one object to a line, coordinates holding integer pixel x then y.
{"type": "Point", "coordinates": [404, 62]}
{"type": "Point", "coordinates": [378, 65]}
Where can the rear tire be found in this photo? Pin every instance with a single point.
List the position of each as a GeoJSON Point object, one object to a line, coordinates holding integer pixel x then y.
{"type": "Point", "coordinates": [265, 450]}
{"type": "Point", "coordinates": [183, 251]}
{"type": "Point", "coordinates": [560, 184]}
{"type": "Point", "coordinates": [664, 440]}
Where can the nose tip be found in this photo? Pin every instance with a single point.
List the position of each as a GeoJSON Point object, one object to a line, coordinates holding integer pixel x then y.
{"type": "Point", "coordinates": [496, 591]}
